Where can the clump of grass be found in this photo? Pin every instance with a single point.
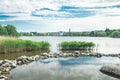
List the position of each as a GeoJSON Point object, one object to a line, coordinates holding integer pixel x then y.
{"type": "Point", "coordinates": [12, 45]}
{"type": "Point", "coordinates": [76, 45]}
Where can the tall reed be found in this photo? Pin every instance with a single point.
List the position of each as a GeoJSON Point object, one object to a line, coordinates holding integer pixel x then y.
{"type": "Point", "coordinates": [76, 45]}
{"type": "Point", "coordinates": [12, 45]}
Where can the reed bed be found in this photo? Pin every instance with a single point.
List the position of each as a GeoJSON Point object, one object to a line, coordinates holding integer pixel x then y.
{"type": "Point", "coordinates": [76, 45]}
{"type": "Point", "coordinates": [13, 45]}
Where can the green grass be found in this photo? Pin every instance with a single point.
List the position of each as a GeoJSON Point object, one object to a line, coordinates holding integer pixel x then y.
{"type": "Point", "coordinates": [13, 45]}
{"type": "Point", "coordinates": [76, 45]}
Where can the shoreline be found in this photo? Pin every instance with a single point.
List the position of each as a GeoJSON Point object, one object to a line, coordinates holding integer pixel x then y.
{"type": "Point", "coordinates": [7, 65]}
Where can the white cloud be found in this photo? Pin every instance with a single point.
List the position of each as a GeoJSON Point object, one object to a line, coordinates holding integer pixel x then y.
{"type": "Point", "coordinates": [48, 13]}
{"type": "Point", "coordinates": [109, 12]}
{"type": "Point", "coordinates": [31, 5]}
{"type": "Point", "coordinates": [92, 3]}
{"type": "Point", "coordinates": [26, 5]}
{"type": "Point", "coordinates": [100, 20]}
{"type": "Point", "coordinates": [15, 6]}
{"type": "Point", "coordinates": [77, 24]}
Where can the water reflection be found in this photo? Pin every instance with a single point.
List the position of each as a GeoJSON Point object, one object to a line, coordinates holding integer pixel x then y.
{"type": "Point", "coordinates": [82, 68]}
{"type": "Point", "coordinates": [16, 55]}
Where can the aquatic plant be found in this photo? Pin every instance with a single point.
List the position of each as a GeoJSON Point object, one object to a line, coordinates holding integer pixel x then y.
{"type": "Point", "coordinates": [12, 45]}
{"type": "Point", "coordinates": [76, 45]}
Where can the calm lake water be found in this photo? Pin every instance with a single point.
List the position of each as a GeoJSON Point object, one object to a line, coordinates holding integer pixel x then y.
{"type": "Point", "coordinates": [103, 45]}
{"type": "Point", "coordinates": [82, 68]}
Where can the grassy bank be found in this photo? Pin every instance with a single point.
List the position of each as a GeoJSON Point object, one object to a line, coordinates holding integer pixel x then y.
{"type": "Point", "coordinates": [76, 45]}
{"type": "Point", "coordinates": [13, 45]}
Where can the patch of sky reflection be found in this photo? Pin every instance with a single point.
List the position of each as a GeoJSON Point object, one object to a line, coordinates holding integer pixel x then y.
{"type": "Point", "coordinates": [82, 61]}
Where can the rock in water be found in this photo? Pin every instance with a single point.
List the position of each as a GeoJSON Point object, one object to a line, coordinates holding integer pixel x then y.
{"type": "Point", "coordinates": [77, 53]}
{"type": "Point", "coordinates": [111, 70]}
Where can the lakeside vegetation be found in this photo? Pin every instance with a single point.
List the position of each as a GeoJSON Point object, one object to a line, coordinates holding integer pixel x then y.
{"type": "Point", "coordinates": [13, 45]}
{"type": "Point", "coordinates": [76, 45]}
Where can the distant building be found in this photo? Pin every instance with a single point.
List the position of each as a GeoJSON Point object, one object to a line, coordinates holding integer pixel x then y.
{"type": "Point", "coordinates": [70, 32]}
{"type": "Point", "coordinates": [33, 33]}
{"type": "Point", "coordinates": [61, 33]}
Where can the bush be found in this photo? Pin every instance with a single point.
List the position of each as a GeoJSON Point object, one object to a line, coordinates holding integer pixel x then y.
{"type": "Point", "coordinates": [115, 34]}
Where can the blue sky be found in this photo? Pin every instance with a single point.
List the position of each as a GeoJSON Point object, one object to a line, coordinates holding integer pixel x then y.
{"type": "Point", "coordinates": [57, 15]}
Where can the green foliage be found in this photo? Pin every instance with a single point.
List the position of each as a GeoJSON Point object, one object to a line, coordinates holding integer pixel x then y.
{"type": "Point", "coordinates": [107, 31]}
{"type": "Point", "coordinates": [115, 34]}
{"type": "Point", "coordinates": [85, 34]}
{"type": "Point", "coordinates": [101, 33]}
{"type": "Point", "coordinates": [12, 30]}
{"type": "Point", "coordinates": [3, 31]}
{"type": "Point", "coordinates": [8, 30]}
{"type": "Point", "coordinates": [76, 45]}
{"type": "Point", "coordinates": [18, 45]}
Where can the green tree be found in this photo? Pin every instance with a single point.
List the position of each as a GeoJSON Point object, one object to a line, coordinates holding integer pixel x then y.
{"type": "Point", "coordinates": [101, 33]}
{"type": "Point", "coordinates": [85, 33]}
{"type": "Point", "coordinates": [12, 30]}
{"type": "Point", "coordinates": [92, 33]}
{"type": "Point", "coordinates": [115, 34]}
{"type": "Point", "coordinates": [107, 31]}
{"type": "Point", "coordinates": [3, 30]}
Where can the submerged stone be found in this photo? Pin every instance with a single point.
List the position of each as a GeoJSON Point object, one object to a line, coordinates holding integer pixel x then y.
{"type": "Point", "coordinates": [111, 70]}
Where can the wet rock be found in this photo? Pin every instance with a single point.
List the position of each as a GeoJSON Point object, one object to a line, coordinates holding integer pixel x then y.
{"type": "Point", "coordinates": [51, 55]}
{"type": "Point", "coordinates": [61, 55]}
{"type": "Point", "coordinates": [44, 54]}
{"type": "Point", "coordinates": [58, 54]}
{"type": "Point", "coordinates": [19, 62]}
{"type": "Point", "coordinates": [24, 60]}
{"type": "Point", "coordinates": [111, 70]}
{"type": "Point", "coordinates": [96, 55]}
{"type": "Point", "coordinates": [55, 55]}
{"type": "Point", "coordinates": [44, 57]}
{"type": "Point", "coordinates": [5, 65]}
{"type": "Point", "coordinates": [76, 54]}
{"type": "Point", "coordinates": [67, 55]}
{"type": "Point", "coordinates": [70, 55]}
{"type": "Point", "coordinates": [3, 77]}
{"type": "Point", "coordinates": [83, 54]}
{"type": "Point", "coordinates": [118, 56]}
{"type": "Point", "coordinates": [8, 63]}
{"type": "Point", "coordinates": [36, 57]}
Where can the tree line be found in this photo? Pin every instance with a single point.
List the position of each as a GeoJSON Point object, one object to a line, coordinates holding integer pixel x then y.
{"type": "Point", "coordinates": [8, 30]}
{"type": "Point", "coordinates": [114, 33]}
